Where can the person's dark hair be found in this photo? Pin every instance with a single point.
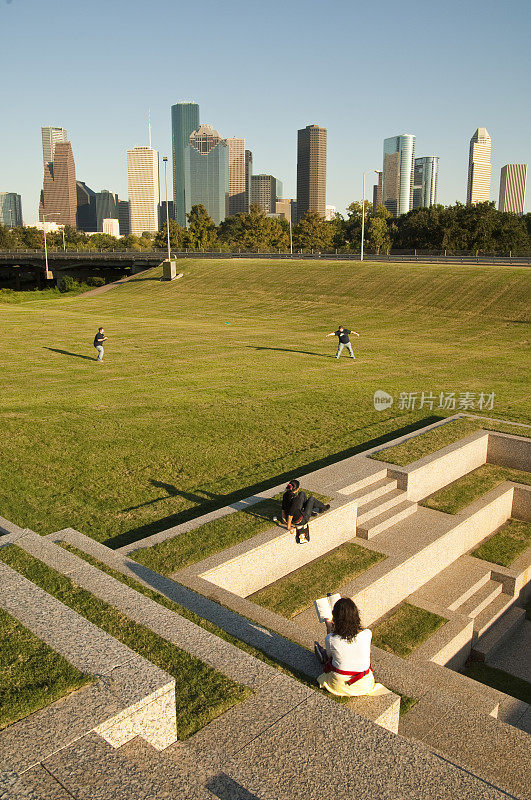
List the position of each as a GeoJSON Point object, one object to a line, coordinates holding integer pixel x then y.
{"type": "Point", "coordinates": [293, 485]}
{"type": "Point", "coordinates": [340, 327]}
{"type": "Point", "coordinates": [100, 329]}
{"type": "Point", "coordinates": [346, 619]}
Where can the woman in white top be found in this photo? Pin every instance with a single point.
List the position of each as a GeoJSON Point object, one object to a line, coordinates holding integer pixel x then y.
{"type": "Point", "coordinates": [347, 660]}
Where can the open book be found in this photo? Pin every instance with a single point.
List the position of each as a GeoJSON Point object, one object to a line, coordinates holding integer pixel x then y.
{"type": "Point", "coordinates": [324, 606]}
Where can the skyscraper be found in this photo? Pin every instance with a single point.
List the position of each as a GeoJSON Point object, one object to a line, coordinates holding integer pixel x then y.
{"type": "Point", "coordinates": [184, 121]}
{"type": "Point", "coordinates": [512, 188]}
{"type": "Point", "coordinates": [59, 193]}
{"type": "Point", "coordinates": [377, 193]}
{"type": "Point", "coordinates": [265, 191]}
{"type": "Point", "coordinates": [143, 189]}
{"type": "Point", "coordinates": [397, 178]}
{"type": "Point", "coordinates": [479, 168]}
{"type": "Point", "coordinates": [123, 217]}
{"type": "Point", "coordinates": [50, 137]}
{"type": "Point", "coordinates": [86, 208]}
{"type": "Point", "coordinates": [10, 209]}
{"type": "Point", "coordinates": [425, 180]}
{"type": "Point", "coordinates": [106, 207]}
{"type": "Point", "coordinates": [206, 172]}
{"type": "Point", "coordinates": [248, 178]}
{"type": "Point", "coordinates": [236, 175]}
{"type": "Point", "coordinates": [311, 171]}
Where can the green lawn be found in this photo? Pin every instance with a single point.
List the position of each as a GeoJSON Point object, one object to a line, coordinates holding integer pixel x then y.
{"type": "Point", "coordinates": [201, 692]}
{"type": "Point", "coordinates": [506, 544]}
{"type": "Point", "coordinates": [223, 383]}
{"type": "Point", "coordinates": [470, 487]}
{"type": "Point", "coordinates": [212, 537]}
{"type": "Point", "coordinates": [405, 629]}
{"type": "Point", "coordinates": [427, 443]}
{"type": "Point", "coordinates": [32, 675]}
{"type": "Point", "coordinates": [295, 592]}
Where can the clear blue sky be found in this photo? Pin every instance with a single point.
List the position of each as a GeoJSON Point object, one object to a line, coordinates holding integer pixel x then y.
{"type": "Point", "coordinates": [364, 71]}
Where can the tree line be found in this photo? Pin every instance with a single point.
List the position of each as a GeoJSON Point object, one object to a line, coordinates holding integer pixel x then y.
{"type": "Point", "coordinates": [453, 229]}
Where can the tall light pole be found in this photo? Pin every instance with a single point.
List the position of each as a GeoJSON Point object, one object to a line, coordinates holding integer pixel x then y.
{"type": "Point", "coordinates": [167, 210]}
{"type": "Point", "coordinates": [45, 246]}
{"type": "Point", "coordinates": [363, 212]}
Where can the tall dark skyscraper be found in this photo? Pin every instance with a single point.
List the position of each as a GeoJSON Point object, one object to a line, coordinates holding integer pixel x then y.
{"type": "Point", "coordinates": [59, 194]}
{"type": "Point", "coordinates": [123, 217]}
{"type": "Point", "coordinates": [86, 208]}
{"type": "Point", "coordinates": [207, 173]}
{"type": "Point", "coordinates": [106, 207]}
{"type": "Point", "coordinates": [311, 171]}
{"type": "Point", "coordinates": [184, 121]}
{"type": "Point", "coordinates": [248, 179]}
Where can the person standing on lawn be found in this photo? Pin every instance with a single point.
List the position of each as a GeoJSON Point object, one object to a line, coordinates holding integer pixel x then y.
{"type": "Point", "coordinates": [343, 340]}
{"type": "Point", "coordinates": [98, 343]}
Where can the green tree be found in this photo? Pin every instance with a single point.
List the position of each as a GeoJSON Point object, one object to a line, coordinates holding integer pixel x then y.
{"type": "Point", "coordinates": [313, 232]}
{"type": "Point", "coordinates": [201, 233]}
{"type": "Point", "coordinates": [254, 232]}
{"type": "Point", "coordinates": [177, 237]}
{"type": "Point", "coordinates": [378, 236]}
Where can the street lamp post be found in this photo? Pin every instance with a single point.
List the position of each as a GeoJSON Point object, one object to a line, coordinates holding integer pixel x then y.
{"type": "Point", "coordinates": [165, 160]}
{"type": "Point", "coordinates": [49, 214]}
{"type": "Point", "coordinates": [363, 212]}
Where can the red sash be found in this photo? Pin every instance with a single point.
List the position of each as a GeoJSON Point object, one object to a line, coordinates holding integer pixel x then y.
{"type": "Point", "coordinates": [354, 676]}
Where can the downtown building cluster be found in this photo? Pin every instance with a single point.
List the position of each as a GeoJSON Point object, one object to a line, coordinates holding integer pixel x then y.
{"type": "Point", "coordinates": [217, 172]}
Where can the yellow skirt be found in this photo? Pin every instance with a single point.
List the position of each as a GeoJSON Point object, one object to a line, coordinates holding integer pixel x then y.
{"type": "Point", "coordinates": [337, 684]}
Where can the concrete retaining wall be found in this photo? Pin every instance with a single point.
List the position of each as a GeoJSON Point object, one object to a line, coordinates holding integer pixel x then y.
{"type": "Point", "coordinates": [510, 451]}
{"type": "Point", "coordinates": [269, 561]}
{"type": "Point", "coordinates": [431, 473]}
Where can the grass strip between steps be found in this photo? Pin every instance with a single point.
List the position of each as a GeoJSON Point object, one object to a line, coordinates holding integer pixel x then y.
{"type": "Point", "coordinates": [212, 537]}
{"type": "Point", "coordinates": [427, 443]}
{"type": "Point", "coordinates": [459, 494]}
{"type": "Point", "coordinates": [406, 702]}
{"type": "Point", "coordinates": [509, 541]}
{"type": "Point", "coordinates": [406, 629]}
{"type": "Point", "coordinates": [32, 674]}
{"type": "Point", "coordinates": [202, 693]}
{"type": "Point", "coordinates": [297, 591]}
{"type": "Point", "coordinates": [500, 680]}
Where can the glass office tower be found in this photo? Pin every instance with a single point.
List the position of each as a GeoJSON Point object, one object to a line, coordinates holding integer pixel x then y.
{"type": "Point", "coordinates": [397, 179]}
{"type": "Point", "coordinates": [10, 209]}
{"type": "Point", "coordinates": [184, 121]}
{"type": "Point", "coordinates": [425, 178]}
{"type": "Point", "coordinates": [206, 173]}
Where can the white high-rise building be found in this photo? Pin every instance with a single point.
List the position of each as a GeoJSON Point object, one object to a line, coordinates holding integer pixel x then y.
{"type": "Point", "coordinates": [397, 178]}
{"type": "Point", "coordinates": [236, 176]}
{"type": "Point", "coordinates": [512, 188]}
{"type": "Point", "coordinates": [111, 226]}
{"type": "Point", "coordinates": [479, 168]}
{"type": "Point", "coordinates": [143, 188]}
{"type": "Point", "coordinates": [50, 137]}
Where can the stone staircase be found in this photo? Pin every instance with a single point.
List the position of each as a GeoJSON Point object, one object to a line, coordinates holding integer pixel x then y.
{"type": "Point", "coordinates": [380, 503]}
{"type": "Point", "coordinates": [466, 587]}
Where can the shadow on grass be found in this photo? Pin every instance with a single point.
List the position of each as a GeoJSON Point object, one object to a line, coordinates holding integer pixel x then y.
{"type": "Point", "coordinates": [173, 491]}
{"type": "Point", "coordinates": [67, 353]}
{"type": "Point", "coordinates": [221, 500]}
{"type": "Point", "coordinates": [289, 350]}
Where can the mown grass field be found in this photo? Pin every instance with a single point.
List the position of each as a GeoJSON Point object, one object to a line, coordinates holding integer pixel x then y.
{"type": "Point", "coordinates": [223, 382]}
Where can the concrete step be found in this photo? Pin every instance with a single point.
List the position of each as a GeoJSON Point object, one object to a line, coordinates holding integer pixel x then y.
{"type": "Point", "coordinates": [90, 769]}
{"type": "Point", "coordinates": [456, 583]}
{"type": "Point", "coordinates": [374, 474]}
{"type": "Point", "coordinates": [386, 520]}
{"type": "Point", "coordinates": [487, 644]}
{"type": "Point", "coordinates": [475, 604]}
{"type": "Point", "coordinates": [376, 489]}
{"type": "Point", "coordinates": [380, 504]}
{"type": "Point", "coordinates": [486, 618]}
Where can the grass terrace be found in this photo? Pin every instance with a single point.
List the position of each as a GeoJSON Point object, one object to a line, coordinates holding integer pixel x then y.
{"type": "Point", "coordinates": [222, 384]}
{"type": "Point", "coordinates": [506, 544]}
{"type": "Point", "coordinates": [295, 592]}
{"type": "Point", "coordinates": [427, 443]}
{"type": "Point", "coordinates": [32, 675]}
{"type": "Point", "coordinates": [459, 494]}
{"type": "Point", "coordinates": [212, 537]}
{"type": "Point", "coordinates": [405, 629]}
{"type": "Point", "coordinates": [202, 693]}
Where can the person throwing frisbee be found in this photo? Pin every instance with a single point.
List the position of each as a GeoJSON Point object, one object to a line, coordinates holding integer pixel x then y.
{"type": "Point", "coordinates": [343, 340]}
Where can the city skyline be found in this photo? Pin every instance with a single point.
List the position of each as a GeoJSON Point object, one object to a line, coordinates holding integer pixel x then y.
{"type": "Point", "coordinates": [357, 114]}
